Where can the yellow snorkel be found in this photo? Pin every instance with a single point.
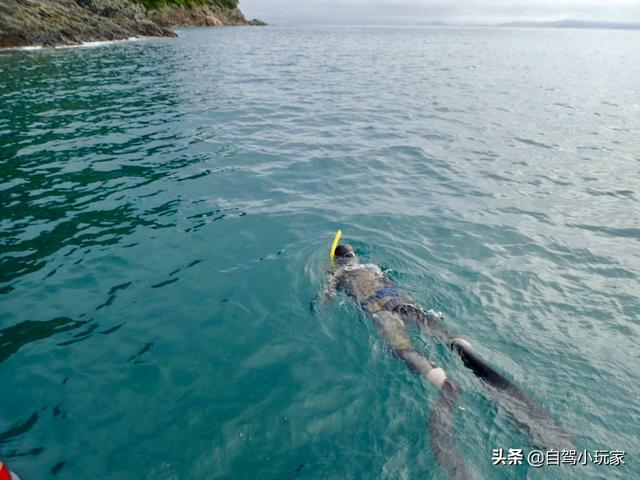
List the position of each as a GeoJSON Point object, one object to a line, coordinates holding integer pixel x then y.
{"type": "Point", "coordinates": [336, 239]}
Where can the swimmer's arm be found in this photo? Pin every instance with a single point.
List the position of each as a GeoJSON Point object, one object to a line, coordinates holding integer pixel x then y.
{"type": "Point", "coordinates": [393, 330]}
{"type": "Point", "coordinates": [328, 292]}
{"type": "Point", "coordinates": [331, 288]}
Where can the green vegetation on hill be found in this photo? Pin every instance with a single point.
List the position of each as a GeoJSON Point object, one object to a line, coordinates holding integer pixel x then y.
{"type": "Point", "coordinates": [159, 4]}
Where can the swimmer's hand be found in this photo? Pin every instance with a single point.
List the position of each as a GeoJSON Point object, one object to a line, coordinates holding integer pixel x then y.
{"type": "Point", "coordinates": [314, 306]}
{"type": "Point", "coordinates": [322, 301]}
{"type": "Point", "coordinates": [326, 294]}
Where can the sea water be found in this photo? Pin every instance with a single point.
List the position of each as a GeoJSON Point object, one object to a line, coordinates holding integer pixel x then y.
{"type": "Point", "coordinates": [167, 208]}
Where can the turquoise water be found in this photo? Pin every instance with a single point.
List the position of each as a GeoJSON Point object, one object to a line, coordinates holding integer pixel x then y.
{"type": "Point", "coordinates": [167, 207]}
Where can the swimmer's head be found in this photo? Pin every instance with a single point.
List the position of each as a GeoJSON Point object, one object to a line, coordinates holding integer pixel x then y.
{"type": "Point", "coordinates": [345, 255]}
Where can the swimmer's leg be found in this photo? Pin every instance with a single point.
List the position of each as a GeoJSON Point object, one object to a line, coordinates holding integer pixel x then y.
{"type": "Point", "coordinates": [441, 435]}
{"type": "Point", "coordinates": [531, 417]}
{"type": "Point", "coordinates": [395, 334]}
{"type": "Point", "coordinates": [429, 324]}
{"type": "Point", "coordinates": [441, 420]}
{"type": "Point", "coordinates": [427, 321]}
{"type": "Point", "coordinates": [537, 424]}
{"type": "Point", "coordinates": [478, 366]}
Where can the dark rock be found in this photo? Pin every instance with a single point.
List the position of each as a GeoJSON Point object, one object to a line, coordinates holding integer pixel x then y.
{"type": "Point", "coordinates": [206, 15]}
{"type": "Point", "coordinates": [257, 23]}
{"type": "Point", "coordinates": [66, 22]}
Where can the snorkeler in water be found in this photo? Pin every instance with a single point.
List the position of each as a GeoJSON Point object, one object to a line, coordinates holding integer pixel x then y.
{"type": "Point", "coordinates": [392, 311]}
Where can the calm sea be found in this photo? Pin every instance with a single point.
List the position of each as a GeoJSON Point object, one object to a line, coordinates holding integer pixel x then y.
{"type": "Point", "coordinates": [167, 206]}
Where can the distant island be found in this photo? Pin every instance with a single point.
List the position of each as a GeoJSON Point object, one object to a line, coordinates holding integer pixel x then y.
{"type": "Point", "coordinates": [68, 22]}
{"type": "Point", "coordinates": [574, 24]}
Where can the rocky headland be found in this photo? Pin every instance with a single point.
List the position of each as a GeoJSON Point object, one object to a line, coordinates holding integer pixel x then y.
{"type": "Point", "coordinates": [68, 22]}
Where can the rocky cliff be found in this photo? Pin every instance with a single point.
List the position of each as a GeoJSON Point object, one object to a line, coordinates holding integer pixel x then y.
{"type": "Point", "coordinates": [67, 22]}
{"type": "Point", "coordinates": [197, 16]}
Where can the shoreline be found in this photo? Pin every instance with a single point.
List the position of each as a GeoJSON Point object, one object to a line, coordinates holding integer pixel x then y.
{"type": "Point", "coordinates": [39, 24]}
{"type": "Point", "coordinates": [102, 43]}
{"type": "Point", "coordinates": [87, 44]}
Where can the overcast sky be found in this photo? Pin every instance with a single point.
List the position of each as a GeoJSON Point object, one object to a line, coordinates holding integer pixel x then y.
{"type": "Point", "coordinates": [416, 11]}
